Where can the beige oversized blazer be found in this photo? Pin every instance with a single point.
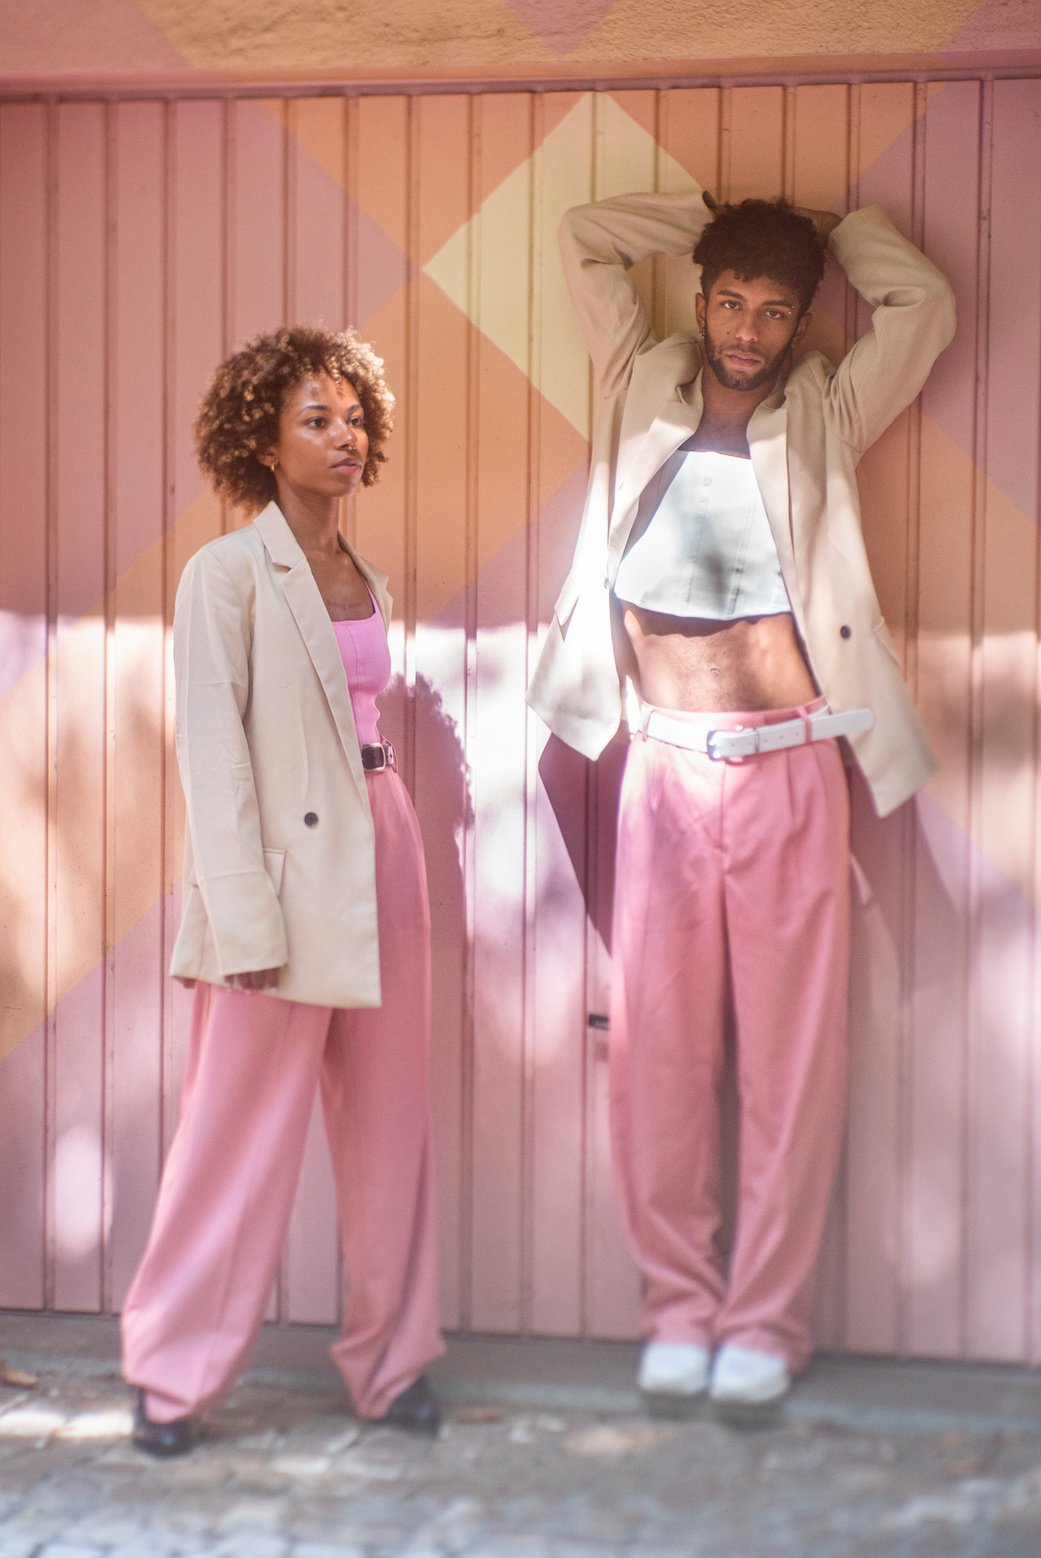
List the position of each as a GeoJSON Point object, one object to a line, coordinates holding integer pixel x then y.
{"type": "Point", "coordinates": [279, 858]}
{"type": "Point", "coordinates": [805, 442]}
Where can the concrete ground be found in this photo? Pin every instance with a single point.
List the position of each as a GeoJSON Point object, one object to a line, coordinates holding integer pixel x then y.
{"type": "Point", "coordinates": [544, 1454]}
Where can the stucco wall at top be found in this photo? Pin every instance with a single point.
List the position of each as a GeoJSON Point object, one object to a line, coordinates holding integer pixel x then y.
{"type": "Point", "coordinates": [115, 38]}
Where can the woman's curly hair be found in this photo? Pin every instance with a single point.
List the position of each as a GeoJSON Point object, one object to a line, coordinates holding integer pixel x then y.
{"type": "Point", "coordinates": [239, 413]}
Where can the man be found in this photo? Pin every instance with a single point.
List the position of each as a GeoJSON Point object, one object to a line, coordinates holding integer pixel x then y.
{"type": "Point", "coordinates": [720, 569]}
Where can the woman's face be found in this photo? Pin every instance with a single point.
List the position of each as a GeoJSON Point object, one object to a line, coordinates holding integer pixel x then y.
{"type": "Point", "coordinates": [322, 442]}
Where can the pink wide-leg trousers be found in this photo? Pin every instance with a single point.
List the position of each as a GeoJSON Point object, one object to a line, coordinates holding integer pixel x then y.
{"type": "Point", "coordinates": [731, 896]}
{"type": "Point", "coordinates": [227, 1189]}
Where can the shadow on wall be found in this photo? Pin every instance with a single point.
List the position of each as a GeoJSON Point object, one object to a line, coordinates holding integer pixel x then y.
{"type": "Point", "coordinates": [416, 721]}
{"type": "Point", "coordinates": [575, 788]}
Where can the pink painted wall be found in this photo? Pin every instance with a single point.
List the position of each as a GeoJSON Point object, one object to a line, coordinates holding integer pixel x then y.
{"type": "Point", "coordinates": [138, 241]}
{"type": "Point", "coordinates": [128, 39]}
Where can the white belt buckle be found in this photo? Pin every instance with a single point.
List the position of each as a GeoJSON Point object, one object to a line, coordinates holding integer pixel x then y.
{"type": "Point", "coordinates": [737, 730]}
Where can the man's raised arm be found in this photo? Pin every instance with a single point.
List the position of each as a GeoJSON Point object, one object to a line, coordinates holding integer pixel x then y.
{"type": "Point", "coordinates": [599, 243]}
{"type": "Point", "coordinates": [912, 323]}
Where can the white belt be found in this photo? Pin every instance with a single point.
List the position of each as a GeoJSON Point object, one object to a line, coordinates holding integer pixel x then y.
{"type": "Point", "coordinates": [750, 740]}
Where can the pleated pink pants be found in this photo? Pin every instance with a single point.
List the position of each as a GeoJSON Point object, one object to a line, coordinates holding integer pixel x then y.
{"type": "Point", "coordinates": [227, 1189]}
{"type": "Point", "coordinates": [731, 896]}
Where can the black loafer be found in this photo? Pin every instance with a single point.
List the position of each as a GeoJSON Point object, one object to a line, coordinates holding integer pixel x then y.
{"type": "Point", "coordinates": [416, 1410]}
{"type": "Point", "coordinates": [165, 1439]}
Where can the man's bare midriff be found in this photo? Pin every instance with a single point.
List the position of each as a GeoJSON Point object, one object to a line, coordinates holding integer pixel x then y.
{"type": "Point", "coordinates": [699, 664]}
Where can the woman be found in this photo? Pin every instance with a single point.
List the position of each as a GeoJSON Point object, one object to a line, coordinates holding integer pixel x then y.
{"type": "Point", "coordinates": [305, 926]}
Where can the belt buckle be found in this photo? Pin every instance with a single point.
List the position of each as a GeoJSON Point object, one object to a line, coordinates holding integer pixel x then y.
{"type": "Point", "coordinates": [376, 756]}
{"type": "Point", "coordinates": [737, 730]}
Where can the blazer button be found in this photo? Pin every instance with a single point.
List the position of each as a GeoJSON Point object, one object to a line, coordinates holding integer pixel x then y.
{"type": "Point", "coordinates": [845, 631]}
{"type": "Point", "coordinates": [311, 819]}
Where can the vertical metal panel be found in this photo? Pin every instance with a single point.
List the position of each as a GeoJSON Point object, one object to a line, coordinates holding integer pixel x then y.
{"type": "Point", "coordinates": [934, 1252]}
{"type": "Point", "coordinates": [78, 702]}
{"type": "Point", "coordinates": [257, 238]}
{"type": "Point", "coordinates": [496, 731]}
{"type": "Point", "coordinates": [440, 445]}
{"type": "Point", "coordinates": [134, 679]}
{"type": "Point", "coordinates": [558, 1051]}
{"type": "Point", "coordinates": [1000, 1142]}
{"type": "Point", "coordinates": [25, 421]}
{"type": "Point", "coordinates": [882, 144]}
{"type": "Point", "coordinates": [754, 142]}
{"type": "Point", "coordinates": [138, 242]}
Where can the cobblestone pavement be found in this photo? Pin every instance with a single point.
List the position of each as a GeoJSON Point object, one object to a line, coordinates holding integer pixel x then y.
{"type": "Point", "coordinates": [286, 1473]}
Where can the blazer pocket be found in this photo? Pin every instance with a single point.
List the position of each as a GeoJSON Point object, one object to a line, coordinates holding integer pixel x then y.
{"type": "Point", "coordinates": [566, 600]}
{"type": "Point", "coordinates": [274, 865]}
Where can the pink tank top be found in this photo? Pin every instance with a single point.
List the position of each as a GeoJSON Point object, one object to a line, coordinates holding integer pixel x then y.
{"type": "Point", "coordinates": [366, 659]}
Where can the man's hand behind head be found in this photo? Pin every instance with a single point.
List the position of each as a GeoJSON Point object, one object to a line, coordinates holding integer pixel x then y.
{"type": "Point", "coordinates": [824, 222]}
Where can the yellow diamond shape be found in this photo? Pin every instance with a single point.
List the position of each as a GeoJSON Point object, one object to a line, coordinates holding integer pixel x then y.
{"type": "Point", "coordinates": [501, 267]}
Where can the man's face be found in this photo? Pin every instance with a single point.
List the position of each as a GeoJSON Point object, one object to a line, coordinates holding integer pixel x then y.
{"type": "Point", "coordinates": [748, 328]}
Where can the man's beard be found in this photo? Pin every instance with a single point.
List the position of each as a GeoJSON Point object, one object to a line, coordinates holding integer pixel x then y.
{"type": "Point", "coordinates": [769, 371]}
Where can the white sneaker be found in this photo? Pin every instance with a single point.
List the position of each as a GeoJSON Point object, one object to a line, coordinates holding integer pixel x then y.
{"type": "Point", "coordinates": [744, 1376]}
{"type": "Point", "coordinates": [673, 1369]}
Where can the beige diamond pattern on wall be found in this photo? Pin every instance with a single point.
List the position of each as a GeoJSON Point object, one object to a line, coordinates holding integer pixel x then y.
{"type": "Point", "coordinates": [468, 266]}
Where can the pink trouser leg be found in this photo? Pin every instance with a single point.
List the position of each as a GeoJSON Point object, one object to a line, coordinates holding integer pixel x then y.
{"type": "Point", "coordinates": [666, 1052]}
{"type": "Point", "coordinates": [731, 882]}
{"type": "Point", "coordinates": [376, 1097]}
{"type": "Point", "coordinates": [227, 1190]}
{"type": "Point", "coordinates": [225, 1199]}
{"type": "Point", "coordinates": [789, 959]}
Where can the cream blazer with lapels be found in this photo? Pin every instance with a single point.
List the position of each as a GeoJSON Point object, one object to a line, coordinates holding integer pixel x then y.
{"type": "Point", "coordinates": [805, 442]}
{"type": "Point", "coordinates": [279, 859]}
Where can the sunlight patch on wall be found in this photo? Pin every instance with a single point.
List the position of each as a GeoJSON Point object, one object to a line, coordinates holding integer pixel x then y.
{"type": "Point", "coordinates": [77, 1185]}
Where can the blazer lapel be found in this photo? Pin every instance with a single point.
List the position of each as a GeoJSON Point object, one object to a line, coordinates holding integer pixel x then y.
{"type": "Point", "coordinates": [304, 600]}
{"type": "Point", "coordinates": [672, 426]}
{"type": "Point", "coordinates": [768, 442]}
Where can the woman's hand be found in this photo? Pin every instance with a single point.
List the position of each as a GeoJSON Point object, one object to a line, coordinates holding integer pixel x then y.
{"type": "Point", "coordinates": [258, 981]}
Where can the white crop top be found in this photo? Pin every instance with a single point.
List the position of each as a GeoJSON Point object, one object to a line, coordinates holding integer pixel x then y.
{"type": "Point", "coordinates": [707, 549]}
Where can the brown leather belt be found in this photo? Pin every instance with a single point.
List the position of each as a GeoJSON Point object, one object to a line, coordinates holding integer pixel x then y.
{"type": "Point", "coordinates": [378, 755]}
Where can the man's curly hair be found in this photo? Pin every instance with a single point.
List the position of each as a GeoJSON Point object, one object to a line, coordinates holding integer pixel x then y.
{"type": "Point", "coordinates": [762, 238]}
{"type": "Point", "coordinates": [239, 413]}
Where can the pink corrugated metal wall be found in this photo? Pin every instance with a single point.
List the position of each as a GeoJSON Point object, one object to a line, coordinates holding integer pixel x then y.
{"type": "Point", "coordinates": [139, 240]}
